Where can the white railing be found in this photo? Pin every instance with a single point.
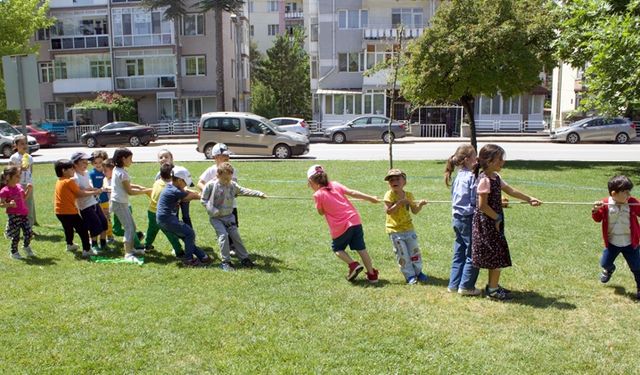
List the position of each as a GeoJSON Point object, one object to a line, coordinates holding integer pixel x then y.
{"type": "Point", "coordinates": [290, 15]}
{"type": "Point", "coordinates": [429, 130]}
{"type": "Point", "coordinates": [392, 33]}
{"type": "Point", "coordinates": [146, 82]}
{"type": "Point", "coordinates": [512, 126]}
{"type": "Point", "coordinates": [169, 128]}
{"type": "Point", "coordinates": [317, 127]}
{"type": "Point", "coordinates": [142, 40]}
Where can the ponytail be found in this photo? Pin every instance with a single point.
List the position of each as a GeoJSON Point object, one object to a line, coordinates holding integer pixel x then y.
{"type": "Point", "coordinates": [456, 160]}
{"type": "Point", "coordinates": [7, 173]}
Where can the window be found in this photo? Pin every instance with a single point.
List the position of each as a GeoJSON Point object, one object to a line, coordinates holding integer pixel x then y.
{"type": "Point", "coordinates": [273, 29]}
{"type": "Point", "coordinates": [60, 70]}
{"type": "Point", "coordinates": [350, 62]}
{"type": "Point", "coordinates": [314, 32]}
{"type": "Point", "coordinates": [255, 126]}
{"type": "Point", "coordinates": [272, 6]}
{"type": "Point", "coordinates": [251, 5]}
{"type": "Point", "coordinates": [485, 105]}
{"type": "Point", "coordinates": [511, 106]}
{"type": "Point", "coordinates": [495, 105]}
{"type": "Point", "coordinates": [194, 108]}
{"type": "Point", "coordinates": [338, 103]}
{"type": "Point", "coordinates": [54, 111]}
{"type": "Point", "coordinates": [135, 67]}
{"type": "Point", "coordinates": [536, 104]}
{"type": "Point", "coordinates": [224, 124]}
{"type": "Point", "coordinates": [43, 34]}
{"type": "Point", "coordinates": [46, 72]}
{"type": "Point", "coordinates": [100, 69]}
{"type": "Point", "coordinates": [353, 18]}
{"type": "Point", "coordinates": [193, 24]}
{"type": "Point", "coordinates": [409, 17]}
{"type": "Point", "coordinates": [195, 65]}
{"type": "Point", "coordinates": [314, 67]}
{"type": "Point", "coordinates": [328, 104]}
{"type": "Point", "coordinates": [378, 104]}
{"type": "Point", "coordinates": [251, 30]}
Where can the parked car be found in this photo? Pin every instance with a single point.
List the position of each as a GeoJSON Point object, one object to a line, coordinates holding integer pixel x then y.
{"type": "Point", "coordinates": [44, 137]}
{"type": "Point", "coordinates": [615, 129]}
{"type": "Point", "coordinates": [248, 134]}
{"type": "Point", "coordinates": [120, 132]}
{"type": "Point", "coordinates": [7, 134]}
{"type": "Point", "coordinates": [366, 128]}
{"type": "Point", "coordinates": [297, 125]}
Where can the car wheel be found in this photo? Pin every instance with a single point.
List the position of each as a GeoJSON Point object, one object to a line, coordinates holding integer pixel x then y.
{"type": "Point", "coordinates": [622, 138]}
{"type": "Point", "coordinates": [91, 142]}
{"type": "Point", "coordinates": [282, 151]}
{"type": "Point", "coordinates": [573, 138]}
{"type": "Point", "coordinates": [208, 151]}
{"type": "Point", "coordinates": [388, 137]}
{"type": "Point", "coordinates": [339, 138]}
{"type": "Point", "coordinates": [7, 151]}
{"type": "Point", "coordinates": [134, 141]}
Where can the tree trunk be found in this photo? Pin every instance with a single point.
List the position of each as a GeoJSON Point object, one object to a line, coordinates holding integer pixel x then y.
{"type": "Point", "coordinates": [468, 102]}
{"type": "Point", "coordinates": [219, 62]}
{"type": "Point", "coordinates": [178, 114]}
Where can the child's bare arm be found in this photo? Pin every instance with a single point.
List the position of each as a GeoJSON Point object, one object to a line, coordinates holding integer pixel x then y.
{"type": "Point", "coordinates": [518, 194]}
{"type": "Point", "coordinates": [191, 195]}
{"type": "Point", "coordinates": [28, 191]}
{"type": "Point", "coordinates": [416, 207]}
{"type": "Point", "coordinates": [133, 189]}
{"type": "Point", "coordinates": [359, 195]}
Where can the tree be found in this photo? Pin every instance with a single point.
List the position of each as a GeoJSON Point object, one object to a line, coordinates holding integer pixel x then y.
{"type": "Point", "coordinates": [604, 37]}
{"type": "Point", "coordinates": [480, 47]}
{"type": "Point", "coordinates": [177, 8]}
{"type": "Point", "coordinates": [285, 71]}
{"type": "Point", "coordinates": [19, 20]}
{"type": "Point", "coordinates": [219, 6]}
{"type": "Point", "coordinates": [263, 101]}
{"type": "Point", "coordinates": [124, 108]}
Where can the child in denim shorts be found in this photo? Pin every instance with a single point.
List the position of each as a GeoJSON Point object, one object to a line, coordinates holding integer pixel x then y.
{"type": "Point", "coordinates": [344, 221]}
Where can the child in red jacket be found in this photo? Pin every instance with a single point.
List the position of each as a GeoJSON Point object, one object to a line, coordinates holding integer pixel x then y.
{"type": "Point", "coordinates": [620, 229]}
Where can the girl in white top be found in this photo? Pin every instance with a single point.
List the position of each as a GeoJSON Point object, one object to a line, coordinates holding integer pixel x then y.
{"type": "Point", "coordinates": [88, 205]}
{"type": "Point", "coordinates": [24, 161]}
{"type": "Point", "coordinates": [121, 189]}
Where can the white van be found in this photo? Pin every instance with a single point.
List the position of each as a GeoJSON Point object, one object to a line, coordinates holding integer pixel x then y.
{"type": "Point", "coordinates": [7, 133]}
{"type": "Point", "coordinates": [248, 134]}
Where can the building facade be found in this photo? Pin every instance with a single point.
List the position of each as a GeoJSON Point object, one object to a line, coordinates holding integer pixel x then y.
{"type": "Point", "coordinates": [270, 18]}
{"type": "Point", "coordinates": [121, 46]}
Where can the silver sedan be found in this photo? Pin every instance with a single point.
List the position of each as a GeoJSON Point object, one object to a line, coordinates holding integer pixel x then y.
{"type": "Point", "coordinates": [617, 130]}
{"type": "Point", "coordinates": [366, 128]}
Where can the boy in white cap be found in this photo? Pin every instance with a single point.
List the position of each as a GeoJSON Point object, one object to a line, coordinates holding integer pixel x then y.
{"type": "Point", "coordinates": [219, 198]}
{"type": "Point", "coordinates": [400, 204]}
{"type": "Point", "coordinates": [167, 216]}
{"type": "Point", "coordinates": [89, 206]}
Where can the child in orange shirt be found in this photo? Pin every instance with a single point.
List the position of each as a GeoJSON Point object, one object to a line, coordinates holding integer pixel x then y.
{"type": "Point", "coordinates": [66, 192]}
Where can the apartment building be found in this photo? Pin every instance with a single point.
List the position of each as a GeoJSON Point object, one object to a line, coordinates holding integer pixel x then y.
{"type": "Point", "coordinates": [348, 37]}
{"type": "Point", "coordinates": [270, 18]}
{"type": "Point", "coordinates": [121, 46]}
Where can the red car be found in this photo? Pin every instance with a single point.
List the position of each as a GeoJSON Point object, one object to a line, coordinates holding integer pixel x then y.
{"type": "Point", "coordinates": [44, 137]}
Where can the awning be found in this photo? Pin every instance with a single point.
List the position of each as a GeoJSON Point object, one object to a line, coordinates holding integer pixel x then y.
{"type": "Point", "coordinates": [337, 92]}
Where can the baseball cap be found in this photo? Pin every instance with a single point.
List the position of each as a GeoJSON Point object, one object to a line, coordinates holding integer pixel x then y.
{"type": "Point", "coordinates": [220, 149]}
{"type": "Point", "coordinates": [183, 173]}
{"type": "Point", "coordinates": [394, 172]}
{"type": "Point", "coordinates": [314, 169]}
{"type": "Point", "coordinates": [77, 156]}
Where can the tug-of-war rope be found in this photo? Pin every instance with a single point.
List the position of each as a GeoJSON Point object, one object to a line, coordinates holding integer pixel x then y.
{"type": "Point", "coordinates": [449, 202]}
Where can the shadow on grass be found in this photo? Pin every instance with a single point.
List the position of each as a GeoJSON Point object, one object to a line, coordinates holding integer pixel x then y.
{"type": "Point", "coordinates": [537, 300]}
{"type": "Point", "coordinates": [48, 237]}
{"type": "Point", "coordinates": [364, 283]}
{"type": "Point", "coordinates": [632, 172]}
{"type": "Point", "coordinates": [621, 291]}
{"type": "Point", "coordinates": [41, 261]}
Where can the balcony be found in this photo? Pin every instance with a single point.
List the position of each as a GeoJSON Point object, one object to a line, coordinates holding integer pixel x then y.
{"type": "Point", "coordinates": [373, 33]}
{"type": "Point", "coordinates": [293, 15]}
{"type": "Point", "coordinates": [142, 40]}
{"type": "Point", "coordinates": [376, 80]}
{"type": "Point", "coordinates": [76, 85]}
{"type": "Point", "coordinates": [167, 81]}
{"type": "Point", "coordinates": [79, 42]}
{"type": "Point", "coordinates": [75, 3]}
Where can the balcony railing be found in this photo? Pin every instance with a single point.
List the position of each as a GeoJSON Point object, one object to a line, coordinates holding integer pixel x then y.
{"type": "Point", "coordinates": [293, 15]}
{"type": "Point", "coordinates": [141, 40]}
{"type": "Point", "coordinates": [374, 33]}
{"type": "Point", "coordinates": [75, 3]}
{"type": "Point", "coordinates": [167, 81]}
{"type": "Point", "coordinates": [79, 42]}
{"type": "Point", "coordinates": [73, 85]}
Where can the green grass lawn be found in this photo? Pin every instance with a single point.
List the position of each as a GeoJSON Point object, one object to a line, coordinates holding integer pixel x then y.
{"type": "Point", "coordinates": [295, 313]}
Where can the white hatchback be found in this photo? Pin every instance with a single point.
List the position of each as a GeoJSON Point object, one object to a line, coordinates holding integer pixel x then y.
{"type": "Point", "coordinates": [293, 124]}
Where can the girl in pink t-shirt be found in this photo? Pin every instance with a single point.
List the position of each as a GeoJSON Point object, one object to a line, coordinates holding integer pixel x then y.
{"type": "Point", "coordinates": [344, 221]}
{"type": "Point", "coordinates": [13, 198]}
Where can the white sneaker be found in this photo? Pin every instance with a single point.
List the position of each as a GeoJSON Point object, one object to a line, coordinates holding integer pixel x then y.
{"type": "Point", "coordinates": [16, 255]}
{"type": "Point", "coordinates": [138, 252]}
{"type": "Point", "coordinates": [469, 292]}
{"type": "Point", "coordinates": [27, 249]}
{"type": "Point", "coordinates": [72, 247]}
{"type": "Point", "coordinates": [131, 257]}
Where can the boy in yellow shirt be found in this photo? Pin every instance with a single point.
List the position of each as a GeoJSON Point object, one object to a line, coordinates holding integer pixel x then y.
{"type": "Point", "coordinates": [399, 206]}
{"type": "Point", "coordinates": [153, 228]}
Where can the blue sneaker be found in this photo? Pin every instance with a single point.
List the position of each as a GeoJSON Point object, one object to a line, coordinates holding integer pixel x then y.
{"type": "Point", "coordinates": [422, 277]}
{"type": "Point", "coordinates": [412, 280]}
{"type": "Point", "coordinates": [227, 267]}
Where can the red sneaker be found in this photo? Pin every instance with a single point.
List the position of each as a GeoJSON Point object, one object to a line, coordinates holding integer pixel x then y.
{"type": "Point", "coordinates": [354, 269]}
{"type": "Point", "coordinates": [373, 276]}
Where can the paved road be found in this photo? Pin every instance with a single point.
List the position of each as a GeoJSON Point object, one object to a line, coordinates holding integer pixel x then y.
{"type": "Point", "coordinates": [517, 148]}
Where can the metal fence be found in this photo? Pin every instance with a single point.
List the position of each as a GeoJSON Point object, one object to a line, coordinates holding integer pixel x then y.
{"type": "Point", "coordinates": [509, 126]}
{"type": "Point", "coordinates": [174, 128]}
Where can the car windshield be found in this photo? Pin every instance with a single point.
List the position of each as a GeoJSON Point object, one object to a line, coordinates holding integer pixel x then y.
{"type": "Point", "coordinates": [271, 125]}
{"type": "Point", "coordinates": [583, 121]}
{"type": "Point", "coordinates": [8, 130]}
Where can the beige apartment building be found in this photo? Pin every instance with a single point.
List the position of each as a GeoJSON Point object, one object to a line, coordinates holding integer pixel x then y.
{"type": "Point", "coordinates": [269, 18]}
{"type": "Point", "coordinates": [121, 46]}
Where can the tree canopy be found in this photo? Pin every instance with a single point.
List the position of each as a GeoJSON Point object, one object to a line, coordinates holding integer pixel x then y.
{"type": "Point", "coordinates": [603, 37]}
{"type": "Point", "coordinates": [284, 71]}
{"type": "Point", "coordinates": [480, 47]}
{"type": "Point", "coordinates": [123, 107]}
